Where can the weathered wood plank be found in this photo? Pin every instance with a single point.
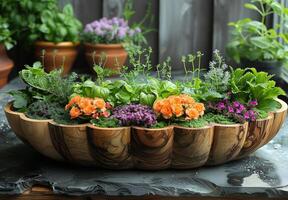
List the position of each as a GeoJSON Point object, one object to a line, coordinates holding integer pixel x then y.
{"type": "Point", "coordinates": [112, 8]}
{"type": "Point", "coordinates": [185, 26]}
{"type": "Point", "coordinates": [226, 11]}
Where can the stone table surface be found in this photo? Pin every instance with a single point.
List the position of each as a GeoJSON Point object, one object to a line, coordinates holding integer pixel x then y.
{"type": "Point", "coordinates": [263, 174]}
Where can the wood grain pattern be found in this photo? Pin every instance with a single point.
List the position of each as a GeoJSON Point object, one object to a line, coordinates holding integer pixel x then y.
{"type": "Point", "coordinates": [37, 135]}
{"type": "Point", "coordinates": [143, 148]}
{"type": "Point", "coordinates": [278, 120]}
{"type": "Point", "coordinates": [110, 146]}
{"type": "Point", "coordinates": [227, 142]}
{"type": "Point", "coordinates": [152, 148]}
{"type": "Point", "coordinates": [191, 147]}
{"type": "Point", "coordinates": [13, 119]}
{"type": "Point", "coordinates": [258, 132]}
{"type": "Point", "coordinates": [71, 142]}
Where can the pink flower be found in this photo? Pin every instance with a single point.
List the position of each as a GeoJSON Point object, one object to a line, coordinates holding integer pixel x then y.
{"type": "Point", "coordinates": [253, 103]}
{"type": "Point", "coordinates": [221, 106]}
{"type": "Point", "coordinates": [236, 104]}
{"type": "Point", "coordinates": [230, 109]}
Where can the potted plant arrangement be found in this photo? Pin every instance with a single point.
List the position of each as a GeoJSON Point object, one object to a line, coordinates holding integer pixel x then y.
{"type": "Point", "coordinates": [58, 37]}
{"type": "Point", "coordinates": [254, 44]}
{"type": "Point", "coordinates": [148, 122]}
{"type": "Point", "coordinates": [104, 42]}
{"type": "Point", "coordinates": [6, 42]}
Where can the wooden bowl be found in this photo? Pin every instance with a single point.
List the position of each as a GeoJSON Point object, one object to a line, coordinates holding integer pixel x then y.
{"type": "Point", "coordinates": [149, 149]}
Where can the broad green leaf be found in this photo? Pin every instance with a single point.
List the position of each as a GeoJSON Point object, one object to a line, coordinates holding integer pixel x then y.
{"type": "Point", "coordinates": [261, 42]}
{"type": "Point", "coordinates": [252, 7]}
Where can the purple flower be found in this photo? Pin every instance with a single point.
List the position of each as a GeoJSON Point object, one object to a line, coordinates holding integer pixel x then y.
{"type": "Point", "coordinates": [88, 28]}
{"type": "Point", "coordinates": [246, 115]}
{"type": "Point", "coordinates": [253, 103]}
{"type": "Point", "coordinates": [98, 31]}
{"type": "Point", "coordinates": [230, 109]}
{"type": "Point", "coordinates": [221, 106]}
{"type": "Point", "coordinates": [135, 114]}
{"type": "Point", "coordinates": [236, 104]}
{"type": "Point", "coordinates": [241, 107]}
{"type": "Point", "coordinates": [111, 29]}
{"type": "Point", "coordinates": [121, 33]}
{"type": "Point", "coordinates": [137, 30]}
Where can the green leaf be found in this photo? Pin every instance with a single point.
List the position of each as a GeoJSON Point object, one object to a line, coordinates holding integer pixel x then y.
{"type": "Point", "coordinates": [252, 7]}
{"type": "Point", "coordinates": [20, 99]}
{"type": "Point", "coordinates": [261, 42]}
{"type": "Point", "coordinates": [277, 8]}
{"type": "Point", "coordinates": [147, 99]}
{"type": "Point", "coordinates": [68, 10]}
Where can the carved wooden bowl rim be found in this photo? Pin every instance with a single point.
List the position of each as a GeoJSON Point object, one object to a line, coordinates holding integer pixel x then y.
{"type": "Point", "coordinates": [8, 109]}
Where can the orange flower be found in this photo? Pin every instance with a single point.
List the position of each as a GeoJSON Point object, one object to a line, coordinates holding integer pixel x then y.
{"type": "Point", "coordinates": [88, 110]}
{"type": "Point", "coordinates": [99, 103]}
{"type": "Point", "coordinates": [84, 102]}
{"type": "Point", "coordinates": [177, 110]}
{"type": "Point", "coordinates": [166, 111]}
{"type": "Point", "coordinates": [74, 113]}
{"type": "Point", "coordinates": [175, 100]}
{"type": "Point", "coordinates": [74, 100]}
{"type": "Point", "coordinates": [199, 107]}
{"type": "Point", "coordinates": [192, 113]}
{"type": "Point", "coordinates": [158, 105]}
{"type": "Point", "coordinates": [186, 99]}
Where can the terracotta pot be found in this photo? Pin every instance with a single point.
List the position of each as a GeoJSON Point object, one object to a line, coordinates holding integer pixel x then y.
{"type": "Point", "coordinates": [152, 148]}
{"type": "Point", "coordinates": [114, 58]}
{"type": "Point", "coordinates": [6, 66]}
{"type": "Point", "coordinates": [56, 55]}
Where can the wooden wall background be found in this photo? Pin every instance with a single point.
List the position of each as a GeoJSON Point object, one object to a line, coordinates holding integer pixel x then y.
{"type": "Point", "coordinates": [183, 26]}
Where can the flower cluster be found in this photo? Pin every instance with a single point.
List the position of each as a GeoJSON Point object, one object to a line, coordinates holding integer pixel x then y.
{"type": "Point", "coordinates": [236, 110]}
{"type": "Point", "coordinates": [135, 114]}
{"type": "Point", "coordinates": [179, 106]}
{"type": "Point", "coordinates": [110, 30]}
{"type": "Point", "coordinates": [88, 107]}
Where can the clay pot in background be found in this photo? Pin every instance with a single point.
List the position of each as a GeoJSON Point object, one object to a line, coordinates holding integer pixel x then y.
{"type": "Point", "coordinates": [56, 54]}
{"type": "Point", "coordinates": [6, 66]}
{"type": "Point", "coordinates": [113, 56]}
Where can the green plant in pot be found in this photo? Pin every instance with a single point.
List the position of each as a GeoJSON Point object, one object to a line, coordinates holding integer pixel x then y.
{"type": "Point", "coordinates": [24, 17]}
{"type": "Point", "coordinates": [58, 38]}
{"type": "Point", "coordinates": [254, 44]}
{"type": "Point", "coordinates": [6, 42]}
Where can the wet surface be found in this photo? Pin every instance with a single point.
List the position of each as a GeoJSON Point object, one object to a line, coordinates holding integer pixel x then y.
{"type": "Point", "coordinates": [263, 174]}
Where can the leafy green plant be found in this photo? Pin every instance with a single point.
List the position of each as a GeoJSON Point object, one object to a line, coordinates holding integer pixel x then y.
{"type": "Point", "coordinates": [44, 88]}
{"type": "Point", "coordinates": [24, 17]}
{"type": "Point", "coordinates": [5, 34]}
{"type": "Point", "coordinates": [253, 40]}
{"type": "Point", "coordinates": [215, 84]}
{"type": "Point", "coordinates": [44, 110]}
{"type": "Point", "coordinates": [57, 26]}
{"type": "Point", "coordinates": [106, 122]}
{"type": "Point", "coordinates": [198, 123]}
{"type": "Point", "coordinates": [248, 85]}
{"type": "Point", "coordinates": [219, 118]}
